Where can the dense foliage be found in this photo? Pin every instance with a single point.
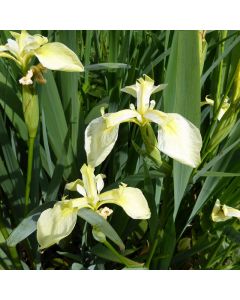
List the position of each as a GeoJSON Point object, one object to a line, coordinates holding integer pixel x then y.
{"type": "Point", "coordinates": [196, 66]}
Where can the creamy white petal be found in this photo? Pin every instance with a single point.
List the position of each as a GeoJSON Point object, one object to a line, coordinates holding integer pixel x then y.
{"type": "Point", "coordinates": [121, 116]}
{"type": "Point", "coordinates": [57, 56]}
{"type": "Point", "coordinates": [177, 137]}
{"type": "Point", "coordinates": [142, 90]}
{"type": "Point", "coordinates": [221, 213]}
{"type": "Point", "coordinates": [29, 42]}
{"type": "Point", "coordinates": [99, 182]}
{"type": "Point", "coordinates": [89, 181]}
{"type": "Point", "coordinates": [99, 140]}
{"type": "Point", "coordinates": [222, 110]}
{"type": "Point", "coordinates": [58, 222]}
{"type": "Point", "coordinates": [130, 199]}
{"type": "Point", "coordinates": [131, 90]}
{"type": "Point", "coordinates": [13, 47]}
{"type": "Point", "coordinates": [76, 185]}
{"type": "Point", "coordinates": [231, 212]}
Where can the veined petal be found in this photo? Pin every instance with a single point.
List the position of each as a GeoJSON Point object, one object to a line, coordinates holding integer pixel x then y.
{"type": "Point", "coordinates": [57, 56]}
{"type": "Point", "coordinates": [177, 137]}
{"type": "Point", "coordinates": [124, 115]}
{"type": "Point", "coordinates": [99, 140]}
{"type": "Point", "coordinates": [58, 222]}
{"type": "Point", "coordinates": [130, 199]}
{"type": "Point", "coordinates": [76, 185]}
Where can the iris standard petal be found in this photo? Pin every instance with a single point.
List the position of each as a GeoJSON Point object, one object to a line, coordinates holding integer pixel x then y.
{"type": "Point", "coordinates": [76, 185]}
{"type": "Point", "coordinates": [56, 223]}
{"type": "Point", "coordinates": [130, 199]}
{"type": "Point", "coordinates": [131, 90]}
{"type": "Point", "coordinates": [177, 137]}
{"type": "Point", "coordinates": [57, 56]}
{"type": "Point", "coordinates": [99, 182]}
{"type": "Point", "coordinates": [99, 140]}
{"type": "Point", "coordinates": [89, 181]}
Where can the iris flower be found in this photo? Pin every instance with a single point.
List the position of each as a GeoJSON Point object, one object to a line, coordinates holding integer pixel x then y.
{"type": "Point", "coordinates": [177, 137]}
{"type": "Point", "coordinates": [223, 212]}
{"type": "Point", "coordinates": [58, 222]}
{"type": "Point", "coordinates": [225, 106]}
{"type": "Point", "coordinates": [53, 56]}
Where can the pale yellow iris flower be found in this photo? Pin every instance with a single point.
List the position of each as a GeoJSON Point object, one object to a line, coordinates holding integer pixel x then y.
{"type": "Point", "coordinates": [177, 137]}
{"type": "Point", "coordinates": [223, 212]}
{"type": "Point", "coordinates": [225, 106]}
{"type": "Point", "coordinates": [54, 56]}
{"type": "Point", "coordinates": [58, 222]}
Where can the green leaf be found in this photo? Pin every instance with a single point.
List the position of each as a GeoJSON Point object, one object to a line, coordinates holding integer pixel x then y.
{"type": "Point", "coordinates": [105, 253]}
{"type": "Point", "coordinates": [182, 95]}
{"type": "Point", "coordinates": [27, 226]}
{"type": "Point", "coordinates": [106, 66]}
{"type": "Point", "coordinates": [102, 225]}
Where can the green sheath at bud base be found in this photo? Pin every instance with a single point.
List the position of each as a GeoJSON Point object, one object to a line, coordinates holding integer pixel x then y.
{"type": "Point", "coordinates": [151, 143]}
{"type": "Point", "coordinates": [30, 110]}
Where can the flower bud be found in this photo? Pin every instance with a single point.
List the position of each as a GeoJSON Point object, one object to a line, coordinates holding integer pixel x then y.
{"type": "Point", "coordinates": [30, 109]}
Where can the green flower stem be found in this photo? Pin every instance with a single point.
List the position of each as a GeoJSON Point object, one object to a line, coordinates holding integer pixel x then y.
{"type": "Point", "coordinates": [214, 254]}
{"type": "Point", "coordinates": [12, 250]}
{"type": "Point", "coordinates": [153, 248]}
{"type": "Point", "coordinates": [125, 261]}
{"type": "Point", "coordinates": [220, 73]}
{"type": "Point", "coordinates": [29, 173]}
{"type": "Point", "coordinates": [150, 143]}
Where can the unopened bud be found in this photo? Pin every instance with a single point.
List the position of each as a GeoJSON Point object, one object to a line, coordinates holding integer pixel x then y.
{"type": "Point", "coordinates": [30, 109]}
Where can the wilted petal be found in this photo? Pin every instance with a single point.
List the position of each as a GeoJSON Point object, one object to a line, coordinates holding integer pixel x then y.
{"type": "Point", "coordinates": [99, 140]}
{"type": "Point", "coordinates": [27, 80]}
{"type": "Point", "coordinates": [56, 56]}
{"type": "Point", "coordinates": [130, 199]}
{"type": "Point", "coordinates": [177, 137]}
{"type": "Point", "coordinates": [56, 223]}
{"type": "Point", "coordinates": [121, 116]}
